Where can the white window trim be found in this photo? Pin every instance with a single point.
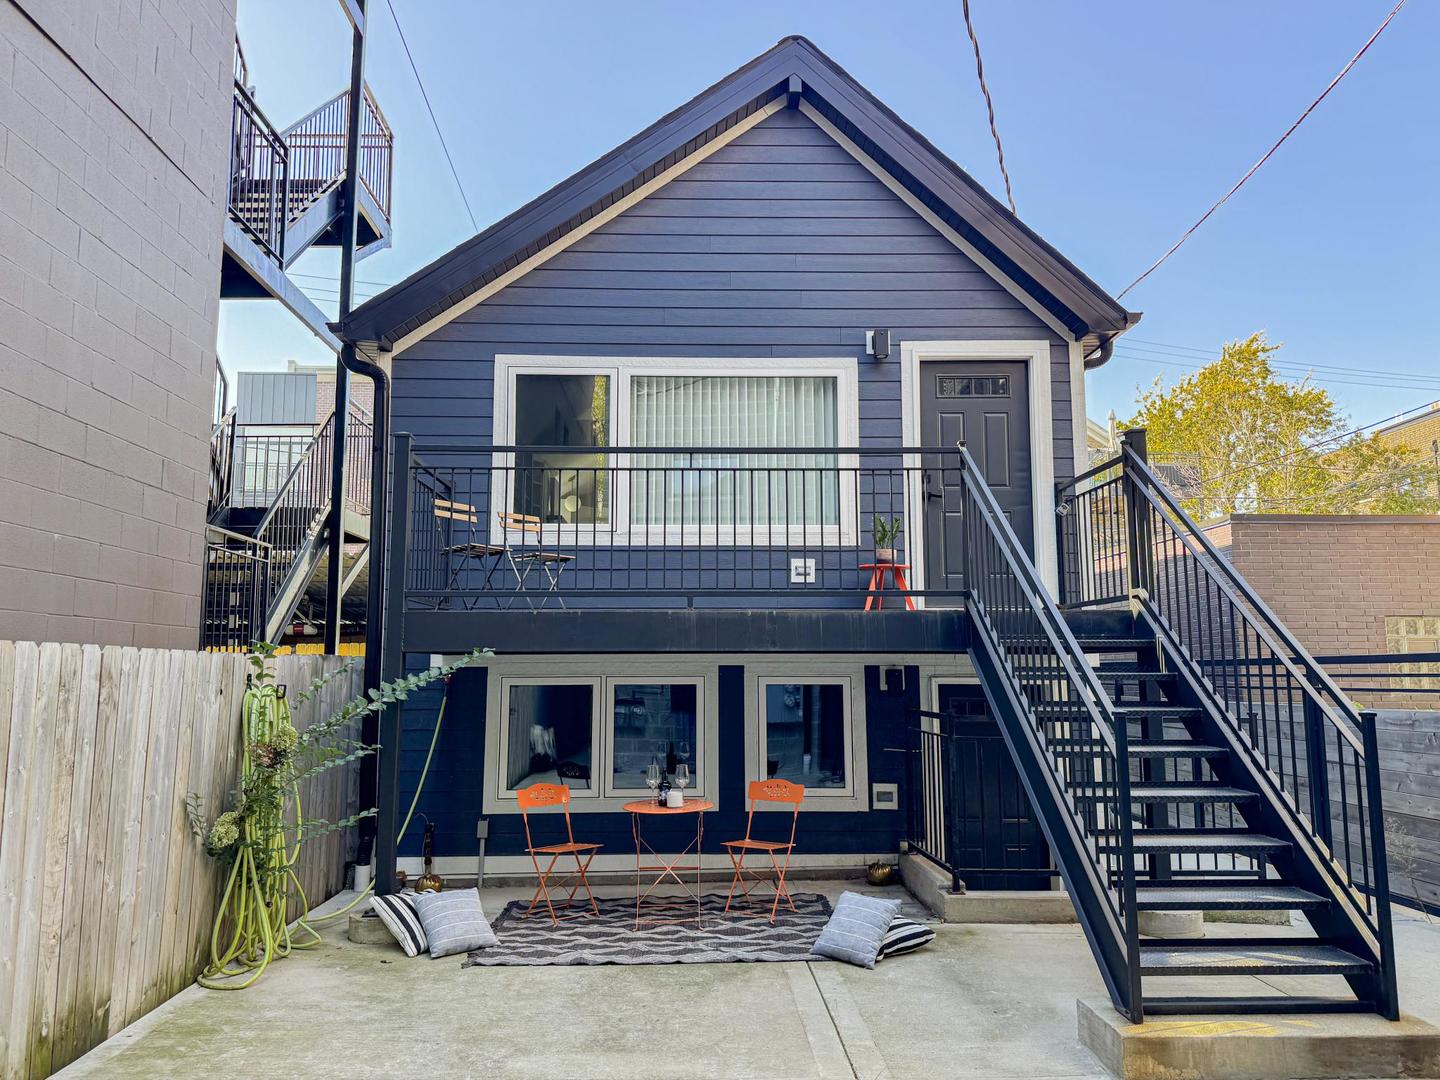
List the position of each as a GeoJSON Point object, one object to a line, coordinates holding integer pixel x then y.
{"type": "Point", "coordinates": [621, 531]}
{"type": "Point", "coordinates": [855, 796]}
{"type": "Point", "coordinates": [602, 673]}
{"type": "Point", "coordinates": [1035, 355]}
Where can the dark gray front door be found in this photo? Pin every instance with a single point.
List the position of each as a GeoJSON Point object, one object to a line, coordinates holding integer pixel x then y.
{"type": "Point", "coordinates": [985, 405]}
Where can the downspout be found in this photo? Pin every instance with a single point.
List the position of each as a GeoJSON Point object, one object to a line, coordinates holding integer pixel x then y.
{"type": "Point", "coordinates": [375, 592]}
{"type": "Point", "coordinates": [1101, 354]}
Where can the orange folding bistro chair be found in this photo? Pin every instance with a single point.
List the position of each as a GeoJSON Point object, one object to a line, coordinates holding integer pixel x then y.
{"type": "Point", "coordinates": [769, 791]}
{"type": "Point", "coordinates": [539, 796]}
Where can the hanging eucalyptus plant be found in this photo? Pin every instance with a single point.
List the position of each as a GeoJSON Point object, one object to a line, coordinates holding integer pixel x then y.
{"type": "Point", "coordinates": [260, 835]}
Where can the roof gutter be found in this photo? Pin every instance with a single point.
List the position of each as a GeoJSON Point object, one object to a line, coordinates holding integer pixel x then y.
{"type": "Point", "coordinates": [1102, 354]}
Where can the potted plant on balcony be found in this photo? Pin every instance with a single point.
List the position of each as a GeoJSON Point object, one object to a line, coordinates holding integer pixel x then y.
{"type": "Point", "coordinates": [885, 531]}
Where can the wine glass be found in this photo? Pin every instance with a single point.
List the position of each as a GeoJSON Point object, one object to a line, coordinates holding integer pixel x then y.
{"type": "Point", "coordinates": [652, 776]}
{"type": "Point", "coordinates": [682, 778]}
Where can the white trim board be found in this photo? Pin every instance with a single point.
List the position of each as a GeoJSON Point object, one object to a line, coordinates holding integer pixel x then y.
{"type": "Point", "coordinates": [677, 170]}
{"type": "Point", "coordinates": [1035, 355]}
{"type": "Point", "coordinates": [621, 863]}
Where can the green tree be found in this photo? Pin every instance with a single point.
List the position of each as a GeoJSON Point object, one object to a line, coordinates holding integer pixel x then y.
{"type": "Point", "coordinates": [1234, 437]}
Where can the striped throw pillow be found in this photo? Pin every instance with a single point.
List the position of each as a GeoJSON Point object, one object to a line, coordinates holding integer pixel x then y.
{"type": "Point", "coordinates": [454, 922]}
{"type": "Point", "coordinates": [905, 935]}
{"type": "Point", "coordinates": [397, 912]}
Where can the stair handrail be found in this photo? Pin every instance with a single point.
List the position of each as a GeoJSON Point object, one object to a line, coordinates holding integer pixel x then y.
{"type": "Point", "coordinates": [293, 478]}
{"type": "Point", "coordinates": [1158, 495]}
{"type": "Point", "coordinates": [1327, 721]}
{"type": "Point", "coordinates": [222, 460]}
{"type": "Point", "coordinates": [317, 147]}
{"type": "Point", "coordinates": [1110, 878]}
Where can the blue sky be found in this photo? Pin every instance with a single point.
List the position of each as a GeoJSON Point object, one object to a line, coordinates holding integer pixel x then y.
{"type": "Point", "coordinates": [1122, 122]}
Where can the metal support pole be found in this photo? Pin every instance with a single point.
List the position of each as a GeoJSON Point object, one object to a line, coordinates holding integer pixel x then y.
{"type": "Point", "coordinates": [349, 196]}
{"type": "Point", "coordinates": [1137, 518]}
{"type": "Point", "coordinates": [388, 794]}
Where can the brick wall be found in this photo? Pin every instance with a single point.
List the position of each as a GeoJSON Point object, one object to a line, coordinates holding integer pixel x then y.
{"type": "Point", "coordinates": [114, 121]}
{"type": "Point", "coordinates": [1334, 581]}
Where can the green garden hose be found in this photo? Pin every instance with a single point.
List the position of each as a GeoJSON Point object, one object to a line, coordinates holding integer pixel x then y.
{"type": "Point", "coordinates": [262, 882]}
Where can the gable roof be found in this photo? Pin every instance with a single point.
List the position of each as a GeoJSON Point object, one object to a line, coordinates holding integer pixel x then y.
{"type": "Point", "coordinates": [794, 69]}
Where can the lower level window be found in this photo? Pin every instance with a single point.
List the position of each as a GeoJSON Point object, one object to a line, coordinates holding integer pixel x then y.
{"type": "Point", "coordinates": [551, 736]}
{"type": "Point", "coordinates": [600, 734]}
{"type": "Point", "coordinates": [653, 724]}
{"type": "Point", "coordinates": [806, 733]}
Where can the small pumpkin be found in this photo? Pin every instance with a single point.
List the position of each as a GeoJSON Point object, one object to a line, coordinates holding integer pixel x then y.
{"type": "Point", "coordinates": [881, 873]}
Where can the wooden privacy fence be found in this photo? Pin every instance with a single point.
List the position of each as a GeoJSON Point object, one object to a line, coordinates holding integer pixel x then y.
{"type": "Point", "coordinates": [106, 895]}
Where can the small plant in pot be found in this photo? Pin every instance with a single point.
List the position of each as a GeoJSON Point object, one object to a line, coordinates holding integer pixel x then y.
{"type": "Point", "coordinates": [886, 531]}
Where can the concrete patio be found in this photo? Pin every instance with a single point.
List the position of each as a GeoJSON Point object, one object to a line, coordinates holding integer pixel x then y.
{"type": "Point", "coordinates": [992, 1001]}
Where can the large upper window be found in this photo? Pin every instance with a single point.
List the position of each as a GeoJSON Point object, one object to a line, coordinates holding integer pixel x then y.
{"type": "Point", "coordinates": [702, 420]}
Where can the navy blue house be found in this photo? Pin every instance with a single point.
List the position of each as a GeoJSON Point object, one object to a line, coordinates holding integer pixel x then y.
{"type": "Point", "coordinates": [682, 442]}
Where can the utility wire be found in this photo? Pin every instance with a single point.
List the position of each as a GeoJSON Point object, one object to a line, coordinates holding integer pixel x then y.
{"type": "Point", "coordinates": [421, 83]}
{"type": "Point", "coordinates": [1266, 157]}
{"type": "Point", "coordinates": [989, 104]}
{"type": "Point", "coordinates": [1323, 378]}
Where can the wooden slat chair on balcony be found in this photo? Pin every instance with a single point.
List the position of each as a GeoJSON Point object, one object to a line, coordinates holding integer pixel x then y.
{"type": "Point", "coordinates": [541, 796]}
{"type": "Point", "coordinates": [765, 791]}
{"type": "Point", "coordinates": [520, 558]}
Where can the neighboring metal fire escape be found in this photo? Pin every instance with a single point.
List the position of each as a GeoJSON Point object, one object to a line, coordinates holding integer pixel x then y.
{"type": "Point", "coordinates": [1180, 749]}
{"type": "Point", "coordinates": [270, 505]}
{"type": "Point", "coordinates": [265, 556]}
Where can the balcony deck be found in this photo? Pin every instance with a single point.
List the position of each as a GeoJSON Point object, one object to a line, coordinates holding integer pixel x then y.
{"type": "Point", "coordinates": [660, 549]}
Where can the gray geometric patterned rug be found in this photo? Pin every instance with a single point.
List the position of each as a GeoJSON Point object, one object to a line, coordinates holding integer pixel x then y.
{"type": "Point", "coordinates": [611, 937]}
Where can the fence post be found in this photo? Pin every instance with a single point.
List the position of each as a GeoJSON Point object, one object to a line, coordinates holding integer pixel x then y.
{"type": "Point", "coordinates": [388, 795]}
{"type": "Point", "coordinates": [950, 805]}
{"type": "Point", "coordinates": [1387, 994]}
{"type": "Point", "coordinates": [1141, 554]}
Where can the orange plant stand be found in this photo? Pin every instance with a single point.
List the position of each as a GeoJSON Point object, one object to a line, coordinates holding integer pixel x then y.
{"type": "Point", "coordinates": [875, 594]}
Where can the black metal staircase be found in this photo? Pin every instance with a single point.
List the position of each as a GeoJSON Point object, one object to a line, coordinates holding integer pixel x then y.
{"type": "Point", "coordinates": [266, 548]}
{"type": "Point", "coordinates": [1181, 750]}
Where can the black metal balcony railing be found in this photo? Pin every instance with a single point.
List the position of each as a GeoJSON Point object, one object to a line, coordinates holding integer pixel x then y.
{"type": "Point", "coordinates": [259, 175]}
{"type": "Point", "coordinates": [661, 526]}
{"type": "Point", "coordinates": [317, 149]}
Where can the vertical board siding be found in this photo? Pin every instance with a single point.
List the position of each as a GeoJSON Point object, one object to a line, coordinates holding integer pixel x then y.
{"type": "Point", "coordinates": [1410, 778]}
{"type": "Point", "coordinates": [780, 244]}
{"type": "Point", "coordinates": [106, 896]}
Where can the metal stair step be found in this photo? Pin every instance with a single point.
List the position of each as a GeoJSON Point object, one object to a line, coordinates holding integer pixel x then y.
{"type": "Point", "coordinates": [1237, 843]}
{"type": "Point", "coordinates": [1237, 896]}
{"type": "Point", "coordinates": [1175, 793]}
{"type": "Point", "coordinates": [1248, 958]}
{"type": "Point", "coordinates": [1131, 673]}
{"type": "Point", "coordinates": [1170, 748]}
{"type": "Point", "coordinates": [1114, 644]}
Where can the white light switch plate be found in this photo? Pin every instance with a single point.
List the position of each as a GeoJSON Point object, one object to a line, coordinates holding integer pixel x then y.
{"type": "Point", "coordinates": [802, 571]}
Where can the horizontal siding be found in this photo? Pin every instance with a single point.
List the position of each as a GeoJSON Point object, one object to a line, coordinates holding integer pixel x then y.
{"type": "Point", "coordinates": [779, 244]}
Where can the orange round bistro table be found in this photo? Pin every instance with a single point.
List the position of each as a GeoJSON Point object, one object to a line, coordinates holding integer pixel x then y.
{"type": "Point", "coordinates": [661, 868]}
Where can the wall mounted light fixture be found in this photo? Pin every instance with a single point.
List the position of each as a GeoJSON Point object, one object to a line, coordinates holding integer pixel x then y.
{"type": "Point", "coordinates": [877, 343]}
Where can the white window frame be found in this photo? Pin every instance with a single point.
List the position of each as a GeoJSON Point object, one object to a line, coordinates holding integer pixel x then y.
{"type": "Point", "coordinates": [603, 674]}
{"type": "Point", "coordinates": [621, 530]}
{"type": "Point", "coordinates": [855, 795]}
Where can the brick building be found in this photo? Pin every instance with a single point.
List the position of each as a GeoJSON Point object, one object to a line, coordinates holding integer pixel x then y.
{"type": "Point", "coordinates": [1346, 585]}
{"type": "Point", "coordinates": [113, 152]}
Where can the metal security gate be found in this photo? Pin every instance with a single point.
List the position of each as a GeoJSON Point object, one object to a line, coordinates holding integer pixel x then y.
{"type": "Point", "coordinates": [968, 811]}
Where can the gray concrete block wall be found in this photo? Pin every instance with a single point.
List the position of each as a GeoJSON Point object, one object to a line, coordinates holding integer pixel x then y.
{"type": "Point", "coordinates": [114, 131]}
